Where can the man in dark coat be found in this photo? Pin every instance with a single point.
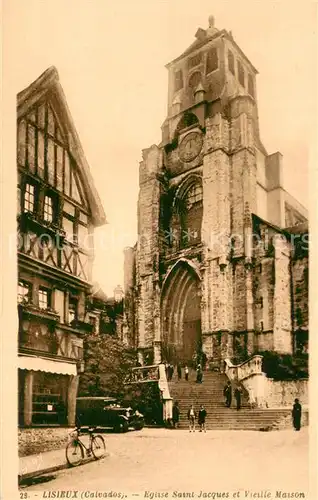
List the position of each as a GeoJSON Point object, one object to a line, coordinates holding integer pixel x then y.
{"type": "Point", "coordinates": [227, 393]}
{"type": "Point", "coordinates": [199, 374]}
{"type": "Point", "coordinates": [238, 396]}
{"type": "Point", "coordinates": [201, 419]}
{"type": "Point", "coordinates": [296, 414]}
{"type": "Point", "coordinates": [179, 371]}
{"type": "Point", "coordinates": [175, 414]}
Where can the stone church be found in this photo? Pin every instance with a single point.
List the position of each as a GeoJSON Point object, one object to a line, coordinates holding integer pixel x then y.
{"type": "Point", "coordinates": [221, 261]}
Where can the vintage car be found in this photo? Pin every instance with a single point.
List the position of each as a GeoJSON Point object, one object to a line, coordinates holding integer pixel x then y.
{"type": "Point", "coordinates": [105, 412]}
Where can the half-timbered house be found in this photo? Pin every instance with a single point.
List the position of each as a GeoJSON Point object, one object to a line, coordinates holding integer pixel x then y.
{"type": "Point", "coordinates": [58, 209]}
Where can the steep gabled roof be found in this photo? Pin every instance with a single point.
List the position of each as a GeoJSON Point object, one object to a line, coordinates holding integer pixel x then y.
{"type": "Point", "coordinates": [48, 84]}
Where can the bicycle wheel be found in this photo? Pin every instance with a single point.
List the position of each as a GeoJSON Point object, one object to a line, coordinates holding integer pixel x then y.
{"type": "Point", "coordinates": [98, 447]}
{"type": "Point", "coordinates": [74, 453]}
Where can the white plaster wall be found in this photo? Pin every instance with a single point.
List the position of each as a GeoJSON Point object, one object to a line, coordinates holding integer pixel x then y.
{"type": "Point", "coordinates": [261, 172]}
{"type": "Point", "coordinates": [276, 208]}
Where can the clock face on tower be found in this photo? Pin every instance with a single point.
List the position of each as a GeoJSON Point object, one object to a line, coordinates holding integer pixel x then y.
{"type": "Point", "coordinates": [190, 146]}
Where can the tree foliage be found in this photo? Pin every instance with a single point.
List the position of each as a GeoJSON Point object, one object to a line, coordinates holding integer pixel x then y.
{"type": "Point", "coordinates": [284, 366]}
{"type": "Point", "coordinates": [107, 362]}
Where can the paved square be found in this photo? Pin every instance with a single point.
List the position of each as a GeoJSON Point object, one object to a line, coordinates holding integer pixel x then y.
{"type": "Point", "coordinates": [160, 460]}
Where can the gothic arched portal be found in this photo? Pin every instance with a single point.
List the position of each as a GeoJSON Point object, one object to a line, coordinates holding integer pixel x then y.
{"type": "Point", "coordinates": [181, 312]}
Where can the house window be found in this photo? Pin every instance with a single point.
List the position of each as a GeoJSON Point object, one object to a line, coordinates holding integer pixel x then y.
{"type": "Point", "coordinates": [24, 292]}
{"type": "Point", "coordinates": [44, 298]}
{"type": "Point", "coordinates": [241, 76]}
{"type": "Point", "coordinates": [212, 61]}
{"type": "Point", "coordinates": [29, 198]}
{"type": "Point", "coordinates": [48, 209]}
{"type": "Point", "coordinates": [92, 321]}
{"type": "Point", "coordinates": [231, 62]}
{"type": "Point", "coordinates": [250, 85]}
{"type": "Point", "coordinates": [178, 81]}
{"type": "Point", "coordinates": [72, 309]}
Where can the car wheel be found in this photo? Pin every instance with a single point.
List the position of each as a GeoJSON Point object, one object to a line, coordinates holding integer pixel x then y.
{"type": "Point", "coordinates": [138, 427]}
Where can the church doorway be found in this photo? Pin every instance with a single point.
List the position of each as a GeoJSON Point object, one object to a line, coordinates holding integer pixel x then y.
{"type": "Point", "coordinates": [181, 314]}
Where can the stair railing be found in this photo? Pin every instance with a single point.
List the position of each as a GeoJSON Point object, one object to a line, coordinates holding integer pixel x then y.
{"type": "Point", "coordinates": [252, 366]}
{"type": "Point", "coordinates": [250, 375]}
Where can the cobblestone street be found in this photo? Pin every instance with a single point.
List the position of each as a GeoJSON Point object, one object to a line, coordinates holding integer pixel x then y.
{"type": "Point", "coordinates": [218, 461]}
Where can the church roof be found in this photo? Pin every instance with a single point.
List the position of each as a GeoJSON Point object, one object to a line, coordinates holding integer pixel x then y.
{"type": "Point", "coordinates": [48, 84]}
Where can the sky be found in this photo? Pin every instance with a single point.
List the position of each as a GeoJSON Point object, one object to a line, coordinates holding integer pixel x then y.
{"type": "Point", "coordinates": [111, 60]}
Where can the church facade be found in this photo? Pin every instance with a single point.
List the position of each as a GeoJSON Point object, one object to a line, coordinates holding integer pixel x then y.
{"type": "Point", "coordinates": [221, 261]}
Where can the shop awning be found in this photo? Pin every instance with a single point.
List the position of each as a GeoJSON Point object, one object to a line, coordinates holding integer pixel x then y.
{"type": "Point", "coordinates": [46, 365]}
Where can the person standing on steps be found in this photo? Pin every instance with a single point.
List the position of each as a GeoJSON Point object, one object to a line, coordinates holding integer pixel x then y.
{"type": "Point", "coordinates": [175, 414]}
{"type": "Point", "coordinates": [238, 396]}
{"type": "Point", "coordinates": [227, 393]}
{"type": "Point", "coordinates": [191, 417]}
{"type": "Point", "coordinates": [179, 371]}
{"type": "Point", "coordinates": [201, 419]}
{"type": "Point", "coordinates": [296, 414]}
{"type": "Point", "coordinates": [186, 373]}
{"type": "Point", "coordinates": [199, 374]}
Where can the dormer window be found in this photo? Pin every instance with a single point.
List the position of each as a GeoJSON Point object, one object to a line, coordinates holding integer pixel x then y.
{"type": "Point", "coordinates": [178, 80]}
{"type": "Point", "coordinates": [241, 75]}
{"type": "Point", "coordinates": [212, 62]}
{"type": "Point", "coordinates": [29, 198]}
{"type": "Point", "coordinates": [48, 209]}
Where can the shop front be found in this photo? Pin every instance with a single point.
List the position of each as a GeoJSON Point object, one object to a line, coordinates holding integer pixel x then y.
{"type": "Point", "coordinates": [47, 392]}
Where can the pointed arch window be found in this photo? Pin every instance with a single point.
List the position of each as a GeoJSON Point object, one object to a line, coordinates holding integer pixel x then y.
{"type": "Point", "coordinates": [191, 215]}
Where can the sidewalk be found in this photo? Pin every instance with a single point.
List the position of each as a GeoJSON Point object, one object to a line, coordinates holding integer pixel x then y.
{"type": "Point", "coordinates": [42, 463]}
{"type": "Point", "coordinates": [32, 466]}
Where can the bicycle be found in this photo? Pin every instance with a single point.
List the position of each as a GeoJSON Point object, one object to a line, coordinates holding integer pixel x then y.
{"type": "Point", "coordinates": [75, 449]}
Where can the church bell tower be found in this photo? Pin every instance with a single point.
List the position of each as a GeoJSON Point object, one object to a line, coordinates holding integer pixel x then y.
{"type": "Point", "coordinates": [196, 199]}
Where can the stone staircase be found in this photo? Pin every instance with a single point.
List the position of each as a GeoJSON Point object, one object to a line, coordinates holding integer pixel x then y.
{"type": "Point", "coordinates": [210, 394]}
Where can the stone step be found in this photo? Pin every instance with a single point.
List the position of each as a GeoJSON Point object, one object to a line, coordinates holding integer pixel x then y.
{"type": "Point", "coordinates": [210, 394]}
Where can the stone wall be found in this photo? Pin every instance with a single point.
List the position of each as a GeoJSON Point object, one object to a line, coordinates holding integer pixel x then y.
{"type": "Point", "coordinates": [39, 440]}
{"type": "Point", "coordinates": [300, 268]}
{"type": "Point", "coordinates": [282, 298]}
{"type": "Point", "coordinates": [283, 393]}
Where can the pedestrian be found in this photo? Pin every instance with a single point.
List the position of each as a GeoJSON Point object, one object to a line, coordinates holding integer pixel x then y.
{"type": "Point", "coordinates": [296, 414]}
{"type": "Point", "coordinates": [201, 419]}
{"type": "Point", "coordinates": [186, 373]}
{"type": "Point", "coordinates": [175, 414]}
{"type": "Point", "coordinates": [238, 396]}
{"type": "Point", "coordinates": [199, 374]}
{"type": "Point", "coordinates": [204, 361]}
{"type": "Point", "coordinates": [179, 371]}
{"type": "Point", "coordinates": [227, 393]}
{"type": "Point", "coordinates": [191, 417]}
{"type": "Point", "coordinates": [171, 371]}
